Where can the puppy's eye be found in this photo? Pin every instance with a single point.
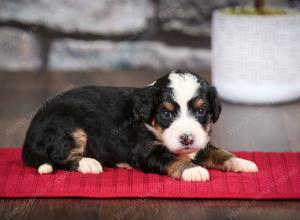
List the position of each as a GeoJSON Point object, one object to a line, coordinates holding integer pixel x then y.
{"type": "Point", "coordinates": [167, 114]}
{"type": "Point", "coordinates": [200, 112]}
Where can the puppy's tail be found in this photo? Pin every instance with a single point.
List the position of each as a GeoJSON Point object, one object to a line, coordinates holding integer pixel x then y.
{"type": "Point", "coordinates": [47, 148]}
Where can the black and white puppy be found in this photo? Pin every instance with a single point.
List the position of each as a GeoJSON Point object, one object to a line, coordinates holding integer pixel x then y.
{"type": "Point", "coordinates": [162, 128]}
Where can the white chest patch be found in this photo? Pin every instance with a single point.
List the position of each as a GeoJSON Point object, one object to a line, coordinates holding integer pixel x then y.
{"type": "Point", "coordinates": [192, 156]}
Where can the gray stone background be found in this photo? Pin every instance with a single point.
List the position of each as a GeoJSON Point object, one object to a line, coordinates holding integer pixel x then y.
{"type": "Point", "coordinates": [92, 35]}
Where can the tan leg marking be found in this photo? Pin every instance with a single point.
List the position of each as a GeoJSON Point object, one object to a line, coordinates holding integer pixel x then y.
{"type": "Point", "coordinates": [176, 168]}
{"type": "Point", "coordinates": [184, 169]}
{"type": "Point", "coordinates": [80, 139]}
{"type": "Point", "coordinates": [215, 158]}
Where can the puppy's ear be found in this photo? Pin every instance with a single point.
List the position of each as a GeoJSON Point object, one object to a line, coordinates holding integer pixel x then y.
{"type": "Point", "coordinates": [215, 104]}
{"type": "Point", "coordinates": [144, 101]}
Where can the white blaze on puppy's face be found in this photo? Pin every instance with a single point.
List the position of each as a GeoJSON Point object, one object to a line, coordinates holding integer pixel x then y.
{"type": "Point", "coordinates": [184, 88]}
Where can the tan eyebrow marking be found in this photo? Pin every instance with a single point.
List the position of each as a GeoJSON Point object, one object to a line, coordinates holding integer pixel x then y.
{"type": "Point", "coordinates": [176, 168]}
{"type": "Point", "coordinates": [198, 103]}
{"type": "Point", "coordinates": [169, 106]}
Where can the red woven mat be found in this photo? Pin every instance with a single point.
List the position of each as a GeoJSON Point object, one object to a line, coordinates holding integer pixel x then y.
{"type": "Point", "coordinates": [278, 178]}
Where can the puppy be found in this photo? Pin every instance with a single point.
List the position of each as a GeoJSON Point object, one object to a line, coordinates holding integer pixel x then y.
{"type": "Point", "coordinates": [163, 128]}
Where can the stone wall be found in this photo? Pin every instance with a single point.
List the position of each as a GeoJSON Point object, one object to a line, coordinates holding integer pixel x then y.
{"type": "Point", "coordinates": [78, 35]}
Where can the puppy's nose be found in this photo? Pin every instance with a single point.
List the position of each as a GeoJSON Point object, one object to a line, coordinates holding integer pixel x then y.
{"type": "Point", "coordinates": [186, 139]}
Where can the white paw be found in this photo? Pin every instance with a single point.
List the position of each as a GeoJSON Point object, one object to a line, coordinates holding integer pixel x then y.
{"type": "Point", "coordinates": [89, 165]}
{"type": "Point", "coordinates": [45, 168]}
{"type": "Point", "coordinates": [240, 165]}
{"type": "Point", "coordinates": [195, 174]}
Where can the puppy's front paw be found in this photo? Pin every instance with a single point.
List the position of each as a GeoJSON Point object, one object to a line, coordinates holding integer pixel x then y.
{"type": "Point", "coordinates": [89, 165]}
{"type": "Point", "coordinates": [195, 174]}
{"type": "Point", "coordinates": [240, 165]}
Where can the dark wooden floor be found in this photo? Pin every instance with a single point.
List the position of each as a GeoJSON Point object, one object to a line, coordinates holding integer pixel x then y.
{"type": "Point", "coordinates": [247, 128]}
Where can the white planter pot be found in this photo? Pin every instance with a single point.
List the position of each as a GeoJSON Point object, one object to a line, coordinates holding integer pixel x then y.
{"type": "Point", "coordinates": [256, 59]}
